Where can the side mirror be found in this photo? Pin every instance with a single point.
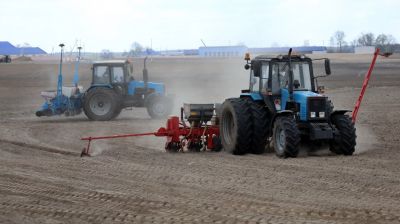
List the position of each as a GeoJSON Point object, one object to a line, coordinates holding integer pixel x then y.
{"type": "Point", "coordinates": [256, 66]}
{"type": "Point", "coordinates": [327, 66]}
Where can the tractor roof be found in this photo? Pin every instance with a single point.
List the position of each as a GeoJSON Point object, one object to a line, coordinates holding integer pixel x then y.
{"type": "Point", "coordinates": [295, 57]}
{"type": "Point", "coordinates": [111, 62]}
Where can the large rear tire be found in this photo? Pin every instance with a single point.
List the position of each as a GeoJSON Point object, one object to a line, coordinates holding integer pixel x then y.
{"type": "Point", "coordinates": [101, 104]}
{"type": "Point", "coordinates": [286, 137]}
{"type": "Point", "coordinates": [346, 142]}
{"type": "Point", "coordinates": [236, 126]}
{"type": "Point", "coordinates": [117, 112]}
{"type": "Point", "coordinates": [260, 121]}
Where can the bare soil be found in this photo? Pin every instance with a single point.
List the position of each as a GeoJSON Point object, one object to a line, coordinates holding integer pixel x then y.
{"type": "Point", "coordinates": [43, 179]}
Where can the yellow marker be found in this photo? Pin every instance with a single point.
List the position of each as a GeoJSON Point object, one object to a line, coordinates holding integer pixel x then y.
{"type": "Point", "coordinates": [247, 56]}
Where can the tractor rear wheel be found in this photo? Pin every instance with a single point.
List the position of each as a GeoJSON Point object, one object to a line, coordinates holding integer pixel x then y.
{"type": "Point", "coordinates": [346, 142]}
{"type": "Point", "coordinates": [159, 107]}
{"type": "Point", "coordinates": [286, 137]}
{"type": "Point", "coordinates": [101, 104]}
{"type": "Point", "coordinates": [117, 112]}
{"type": "Point", "coordinates": [260, 122]}
{"type": "Point", "coordinates": [236, 126]}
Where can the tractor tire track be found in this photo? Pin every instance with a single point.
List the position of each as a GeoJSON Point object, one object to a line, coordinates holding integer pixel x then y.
{"type": "Point", "coordinates": [39, 147]}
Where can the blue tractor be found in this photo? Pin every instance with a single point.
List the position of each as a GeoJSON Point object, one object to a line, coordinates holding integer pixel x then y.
{"type": "Point", "coordinates": [113, 88]}
{"type": "Point", "coordinates": [282, 107]}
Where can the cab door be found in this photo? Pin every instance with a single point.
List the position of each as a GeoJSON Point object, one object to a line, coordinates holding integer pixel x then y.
{"type": "Point", "coordinates": [118, 79]}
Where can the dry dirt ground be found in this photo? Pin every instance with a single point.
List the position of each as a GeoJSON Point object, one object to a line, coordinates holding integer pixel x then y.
{"type": "Point", "coordinates": [43, 179]}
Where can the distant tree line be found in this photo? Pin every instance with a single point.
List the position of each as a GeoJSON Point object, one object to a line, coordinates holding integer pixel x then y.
{"type": "Point", "coordinates": [136, 50]}
{"type": "Point", "coordinates": [386, 42]}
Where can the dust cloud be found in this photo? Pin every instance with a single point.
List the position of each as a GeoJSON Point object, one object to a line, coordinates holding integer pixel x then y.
{"type": "Point", "coordinates": [366, 139]}
{"type": "Point", "coordinates": [198, 80]}
{"type": "Point", "coordinates": [97, 148]}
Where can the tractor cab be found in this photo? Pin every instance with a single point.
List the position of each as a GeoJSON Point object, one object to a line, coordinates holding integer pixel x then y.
{"type": "Point", "coordinates": [110, 72]}
{"type": "Point", "coordinates": [114, 73]}
{"type": "Point", "coordinates": [273, 75]}
{"type": "Point", "coordinates": [286, 84]}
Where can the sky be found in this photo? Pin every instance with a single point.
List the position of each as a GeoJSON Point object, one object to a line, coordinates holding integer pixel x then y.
{"type": "Point", "coordinates": [182, 24]}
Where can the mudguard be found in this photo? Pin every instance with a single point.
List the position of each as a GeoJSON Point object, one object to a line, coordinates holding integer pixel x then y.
{"type": "Point", "coordinates": [277, 114]}
{"type": "Point", "coordinates": [254, 96]}
{"type": "Point", "coordinates": [98, 85]}
{"type": "Point", "coordinates": [339, 112]}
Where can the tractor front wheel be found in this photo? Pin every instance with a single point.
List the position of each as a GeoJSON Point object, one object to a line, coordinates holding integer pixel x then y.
{"type": "Point", "coordinates": [346, 141]}
{"type": "Point", "coordinates": [101, 104]}
{"type": "Point", "coordinates": [286, 137]}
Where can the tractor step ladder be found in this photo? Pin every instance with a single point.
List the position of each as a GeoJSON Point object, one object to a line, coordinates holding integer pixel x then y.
{"type": "Point", "coordinates": [364, 86]}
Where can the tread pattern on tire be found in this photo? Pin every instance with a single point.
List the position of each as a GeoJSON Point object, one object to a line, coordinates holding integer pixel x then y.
{"type": "Point", "coordinates": [241, 109]}
{"type": "Point", "coordinates": [346, 143]}
{"type": "Point", "coordinates": [117, 112]}
{"type": "Point", "coordinates": [260, 121]}
{"type": "Point", "coordinates": [292, 135]}
{"type": "Point", "coordinates": [114, 99]}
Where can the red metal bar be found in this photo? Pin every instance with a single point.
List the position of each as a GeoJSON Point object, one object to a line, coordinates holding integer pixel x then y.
{"type": "Point", "coordinates": [85, 151]}
{"type": "Point", "coordinates": [175, 133]}
{"type": "Point", "coordinates": [118, 136]}
{"type": "Point", "coordinates": [364, 86]}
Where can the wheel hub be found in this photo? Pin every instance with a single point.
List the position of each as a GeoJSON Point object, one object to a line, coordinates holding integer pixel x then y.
{"type": "Point", "coordinates": [228, 126]}
{"type": "Point", "coordinates": [100, 104]}
{"type": "Point", "coordinates": [281, 140]}
{"type": "Point", "coordinates": [159, 108]}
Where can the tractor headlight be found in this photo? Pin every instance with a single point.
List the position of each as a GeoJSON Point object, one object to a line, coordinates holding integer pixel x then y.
{"type": "Point", "coordinates": [321, 114]}
{"type": "Point", "coordinates": [312, 114]}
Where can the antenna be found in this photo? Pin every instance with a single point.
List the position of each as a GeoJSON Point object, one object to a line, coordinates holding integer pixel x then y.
{"type": "Point", "coordinates": [72, 49]}
{"type": "Point", "coordinates": [290, 85]}
{"type": "Point", "coordinates": [76, 75]}
{"type": "Point", "coordinates": [60, 79]}
{"type": "Point", "coordinates": [203, 42]}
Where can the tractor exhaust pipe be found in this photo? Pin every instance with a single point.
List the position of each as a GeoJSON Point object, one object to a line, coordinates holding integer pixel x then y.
{"type": "Point", "coordinates": [145, 75]}
{"type": "Point", "coordinates": [290, 84]}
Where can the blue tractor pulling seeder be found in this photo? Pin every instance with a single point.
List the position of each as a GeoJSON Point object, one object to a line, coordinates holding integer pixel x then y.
{"type": "Point", "coordinates": [113, 88]}
{"type": "Point", "coordinates": [282, 106]}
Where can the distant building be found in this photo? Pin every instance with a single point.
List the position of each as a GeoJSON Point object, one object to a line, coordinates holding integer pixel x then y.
{"type": "Point", "coordinates": [223, 51]}
{"type": "Point", "coordinates": [172, 53]}
{"type": "Point", "coordinates": [8, 49]}
{"type": "Point", "coordinates": [364, 50]}
{"type": "Point", "coordinates": [284, 50]}
{"type": "Point", "coordinates": [190, 52]}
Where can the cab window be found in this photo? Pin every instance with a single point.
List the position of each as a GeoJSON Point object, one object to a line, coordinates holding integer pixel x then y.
{"type": "Point", "coordinates": [118, 75]}
{"type": "Point", "coordinates": [275, 79]}
{"type": "Point", "coordinates": [101, 75]}
{"type": "Point", "coordinates": [254, 82]}
{"type": "Point", "coordinates": [264, 76]}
